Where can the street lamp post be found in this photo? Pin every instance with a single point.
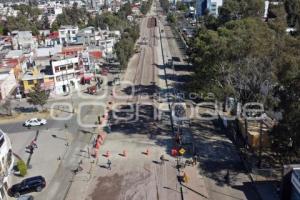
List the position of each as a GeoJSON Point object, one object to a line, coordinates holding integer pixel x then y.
{"type": "Point", "coordinates": [260, 144]}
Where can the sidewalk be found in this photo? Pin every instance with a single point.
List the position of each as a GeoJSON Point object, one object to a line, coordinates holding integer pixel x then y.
{"type": "Point", "coordinates": [46, 159]}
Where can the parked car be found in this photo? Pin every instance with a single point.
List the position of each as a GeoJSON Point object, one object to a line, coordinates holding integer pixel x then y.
{"type": "Point", "coordinates": [32, 184]}
{"type": "Point", "coordinates": [35, 122]}
{"type": "Point", "coordinates": [25, 197]}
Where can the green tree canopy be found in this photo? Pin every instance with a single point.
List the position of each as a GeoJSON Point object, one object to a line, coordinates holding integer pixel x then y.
{"type": "Point", "coordinates": [238, 9]}
{"type": "Point", "coordinates": [236, 57]}
{"type": "Point", "coordinates": [37, 96]}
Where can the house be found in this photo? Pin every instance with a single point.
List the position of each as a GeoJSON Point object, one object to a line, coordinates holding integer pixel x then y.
{"type": "Point", "coordinates": [68, 34]}
{"type": "Point", "coordinates": [66, 72]}
{"type": "Point", "coordinates": [22, 40]}
{"type": "Point", "coordinates": [60, 76]}
{"type": "Point", "coordinates": [54, 10]}
{"type": "Point", "coordinates": [17, 60]}
{"type": "Point", "coordinates": [107, 45]}
{"type": "Point", "coordinates": [135, 10]}
{"type": "Point", "coordinates": [34, 76]}
{"type": "Point", "coordinates": [86, 36]}
{"type": "Point", "coordinates": [212, 6]}
{"type": "Point", "coordinates": [130, 18]}
{"type": "Point", "coordinates": [6, 164]}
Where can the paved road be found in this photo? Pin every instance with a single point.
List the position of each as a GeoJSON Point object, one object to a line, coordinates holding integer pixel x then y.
{"type": "Point", "coordinates": [140, 178]}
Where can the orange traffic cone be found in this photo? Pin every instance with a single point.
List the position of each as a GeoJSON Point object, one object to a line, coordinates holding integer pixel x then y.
{"type": "Point", "coordinates": [124, 153]}
{"type": "Point", "coordinates": [147, 152]}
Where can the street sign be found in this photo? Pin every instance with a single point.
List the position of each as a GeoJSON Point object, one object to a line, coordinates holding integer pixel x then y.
{"type": "Point", "coordinates": [182, 151]}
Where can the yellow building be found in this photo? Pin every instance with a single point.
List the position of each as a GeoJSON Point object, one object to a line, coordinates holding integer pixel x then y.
{"type": "Point", "coordinates": [30, 78]}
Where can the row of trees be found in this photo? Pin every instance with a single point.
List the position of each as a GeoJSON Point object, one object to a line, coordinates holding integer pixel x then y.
{"type": "Point", "coordinates": [27, 19]}
{"type": "Point", "coordinates": [124, 49]}
{"type": "Point", "coordinates": [71, 16]}
{"type": "Point", "coordinates": [239, 55]}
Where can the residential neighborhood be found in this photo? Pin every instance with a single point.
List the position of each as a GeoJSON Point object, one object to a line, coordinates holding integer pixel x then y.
{"type": "Point", "coordinates": [149, 99]}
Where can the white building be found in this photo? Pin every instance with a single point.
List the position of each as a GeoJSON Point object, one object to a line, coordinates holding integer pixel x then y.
{"type": "Point", "coordinates": [6, 164]}
{"type": "Point", "coordinates": [23, 40]}
{"type": "Point", "coordinates": [87, 36]}
{"type": "Point", "coordinates": [68, 34]}
{"type": "Point", "coordinates": [66, 72]}
{"type": "Point", "coordinates": [54, 10]}
{"type": "Point", "coordinates": [213, 6]}
{"type": "Point", "coordinates": [107, 45]}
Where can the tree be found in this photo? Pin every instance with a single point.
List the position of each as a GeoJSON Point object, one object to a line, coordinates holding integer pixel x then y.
{"type": "Point", "coordinates": [238, 9]}
{"type": "Point", "coordinates": [72, 16]}
{"type": "Point", "coordinates": [235, 58]}
{"type": "Point", "coordinates": [7, 106]}
{"type": "Point", "coordinates": [288, 73]}
{"type": "Point", "coordinates": [181, 6]}
{"type": "Point", "coordinates": [124, 11]}
{"type": "Point", "coordinates": [37, 96]}
{"type": "Point", "coordinates": [293, 11]}
{"type": "Point", "coordinates": [26, 20]}
{"type": "Point", "coordinates": [165, 4]}
{"type": "Point", "coordinates": [54, 26]}
{"type": "Point", "coordinates": [145, 7]}
{"type": "Point", "coordinates": [171, 18]}
{"type": "Point", "coordinates": [285, 135]}
{"type": "Point", "coordinates": [45, 22]}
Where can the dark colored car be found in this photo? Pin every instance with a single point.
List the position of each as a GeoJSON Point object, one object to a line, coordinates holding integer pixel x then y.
{"type": "Point", "coordinates": [26, 197]}
{"type": "Point", "coordinates": [33, 184]}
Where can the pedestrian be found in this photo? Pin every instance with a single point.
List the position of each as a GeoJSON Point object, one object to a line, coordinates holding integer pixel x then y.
{"type": "Point", "coordinates": [108, 164]}
{"type": "Point", "coordinates": [194, 159]}
{"type": "Point", "coordinates": [31, 149]}
{"type": "Point", "coordinates": [227, 177]}
{"type": "Point", "coordinates": [162, 159]}
{"type": "Point", "coordinates": [33, 143]}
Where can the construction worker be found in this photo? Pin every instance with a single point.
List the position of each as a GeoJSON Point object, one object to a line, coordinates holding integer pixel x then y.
{"type": "Point", "coordinates": [162, 159]}
{"type": "Point", "coordinates": [108, 164]}
{"type": "Point", "coordinates": [194, 159]}
{"type": "Point", "coordinates": [185, 178]}
{"type": "Point", "coordinates": [227, 177]}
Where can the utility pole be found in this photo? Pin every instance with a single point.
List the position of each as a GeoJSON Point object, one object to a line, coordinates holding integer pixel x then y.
{"type": "Point", "coordinates": [260, 144]}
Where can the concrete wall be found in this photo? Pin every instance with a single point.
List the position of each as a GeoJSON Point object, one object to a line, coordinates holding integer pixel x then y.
{"type": "Point", "coordinates": [7, 84]}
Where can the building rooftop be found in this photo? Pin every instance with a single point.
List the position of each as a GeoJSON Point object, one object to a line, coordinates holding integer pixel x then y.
{"type": "Point", "coordinates": [33, 75]}
{"type": "Point", "coordinates": [14, 54]}
{"type": "Point", "coordinates": [68, 27]}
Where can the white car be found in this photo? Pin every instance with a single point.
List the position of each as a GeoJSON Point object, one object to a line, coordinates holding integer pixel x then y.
{"type": "Point", "coordinates": [35, 122]}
